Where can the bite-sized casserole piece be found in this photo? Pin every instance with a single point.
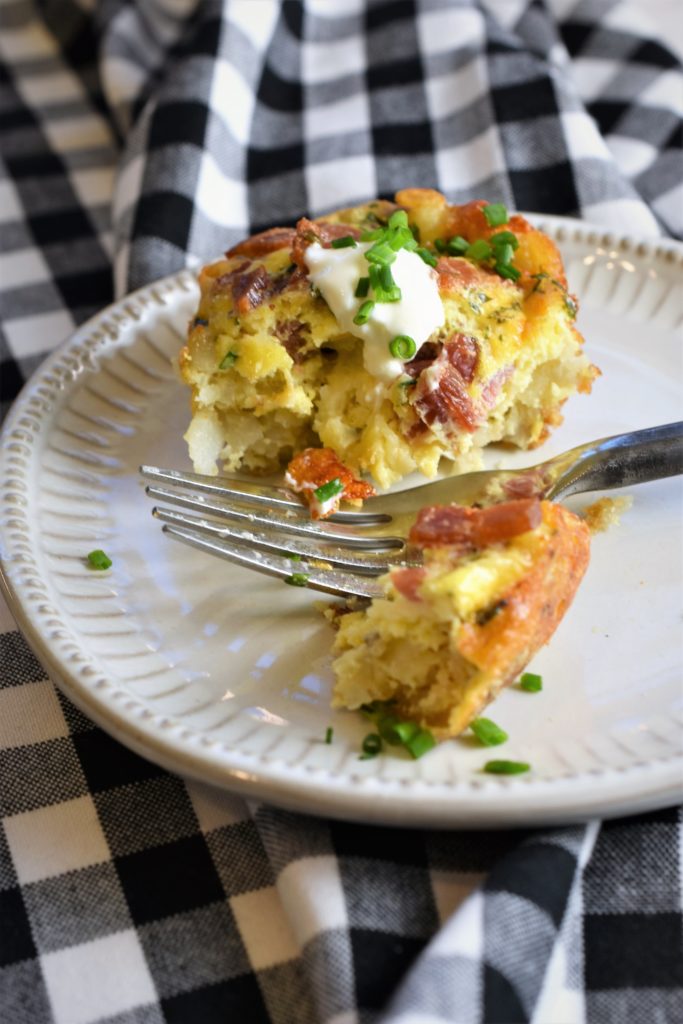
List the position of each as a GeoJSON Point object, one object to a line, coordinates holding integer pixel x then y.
{"type": "Point", "coordinates": [450, 634]}
{"type": "Point", "coordinates": [397, 334]}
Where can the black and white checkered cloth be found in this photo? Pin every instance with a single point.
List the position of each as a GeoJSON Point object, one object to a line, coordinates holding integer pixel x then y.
{"type": "Point", "coordinates": [144, 136]}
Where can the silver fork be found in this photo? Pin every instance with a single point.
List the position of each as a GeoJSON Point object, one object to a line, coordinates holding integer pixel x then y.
{"type": "Point", "coordinates": [269, 529]}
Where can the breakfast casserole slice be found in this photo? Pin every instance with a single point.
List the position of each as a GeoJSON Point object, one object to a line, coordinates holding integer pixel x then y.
{"type": "Point", "coordinates": [396, 334]}
{"type": "Point", "coordinates": [449, 635]}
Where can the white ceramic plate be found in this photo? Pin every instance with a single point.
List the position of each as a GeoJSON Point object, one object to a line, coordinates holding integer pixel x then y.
{"type": "Point", "coordinates": [224, 675]}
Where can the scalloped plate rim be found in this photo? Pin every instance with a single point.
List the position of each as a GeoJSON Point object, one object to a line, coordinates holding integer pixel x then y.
{"type": "Point", "coordinates": [491, 802]}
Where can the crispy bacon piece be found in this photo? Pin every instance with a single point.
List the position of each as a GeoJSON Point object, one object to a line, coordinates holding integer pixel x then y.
{"type": "Point", "coordinates": [472, 528]}
{"type": "Point", "coordinates": [289, 333]}
{"type": "Point", "coordinates": [263, 243]}
{"type": "Point", "coordinates": [251, 287]}
{"type": "Point", "coordinates": [456, 273]}
{"type": "Point", "coordinates": [462, 352]}
{"type": "Point", "coordinates": [441, 392]}
{"type": "Point", "coordinates": [425, 356]}
{"type": "Point", "coordinates": [308, 231]}
{"type": "Point", "coordinates": [408, 581]}
{"type": "Point", "coordinates": [314, 467]}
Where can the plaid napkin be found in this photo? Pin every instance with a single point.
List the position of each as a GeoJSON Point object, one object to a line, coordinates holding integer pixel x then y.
{"type": "Point", "coordinates": [144, 136]}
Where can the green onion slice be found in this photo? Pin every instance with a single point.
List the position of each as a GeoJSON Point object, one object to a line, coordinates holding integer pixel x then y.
{"type": "Point", "coordinates": [531, 682]}
{"type": "Point", "coordinates": [99, 560]}
{"type": "Point", "coordinates": [379, 275]}
{"type": "Point", "coordinates": [504, 253]}
{"type": "Point", "coordinates": [457, 246]}
{"type": "Point", "coordinates": [386, 278]}
{"type": "Point", "coordinates": [372, 745]}
{"type": "Point", "coordinates": [362, 287]}
{"type": "Point", "coordinates": [506, 767]}
{"type": "Point", "coordinates": [329, 733]}
{"type": "Point", "coordinates": [372, 236]}
{"type": "Point", "coordinates": [479, 250]}
{"type": "Point", "coordinates": [427, 257]}
{"type": "Point", "coordinates": [440, 245]}
{"type": "Point", "coordinates": [496, 214]}
{"type": "Point", "coordinates": [297, 579]}
{"type": "Point", "coordinates": [507, 270]}
{"type": "Point", "coordinates": [381, 253]}
{"type": "Point", "coordinates": [347, 242]}
{"type": "Point", "coordinates": [487, 732]}
{"type": "Point", "coordinates": [504, 238]}
{"type": "Point", "coordinates": [329, 490]}
{"type": "Point", "coordinates": [420, 743]}
{"type": "Point", "coordinates": [402, 347]}
{"type": "Point", "coordinates": [396, 732]}
{"type": "Point", "coordinates": [228, 360]}
{"type": "Point", "coordinates": [401, 239]}
{"type": "Point", "coordinates": [363, 314]}
{"type": "Point", "coordinates": [398, 219]}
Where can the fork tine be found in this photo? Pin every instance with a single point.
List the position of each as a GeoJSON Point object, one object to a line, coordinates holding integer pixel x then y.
{"type": "Point", "coordinates": [329, 581]}
{"type": "Point", "coordinates": [284, 547]}
{"type": "Point", "coordinates": [248, 492]}
{"type": "Point", "coordinates": [341, 536]}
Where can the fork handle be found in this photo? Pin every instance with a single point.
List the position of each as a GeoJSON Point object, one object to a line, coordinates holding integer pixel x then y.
{"type": "Point", "coordinates": [619, 461]}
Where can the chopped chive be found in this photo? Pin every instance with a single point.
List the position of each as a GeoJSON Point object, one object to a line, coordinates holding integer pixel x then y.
{"type": "Point", "coordinates": [440, 245]}
{"type": "Point", "coordinates": [398, 219]}
{"type": "Point", "coordinates": [402, 347]}
{"type": "Point", "coordinates": [401, 239]}
{"type": "Point", "coordinates": [363, 314]}
{"type": "Point", "coordinates": [362, 287]}
{"type": "Point", "coordinates": [409, 383]}
{"type": "Point", "coordinates": [531, 682]}
{"type": "Point", "coordinates": [571, 306]}
{"type": "Point", "coordinates": [504, 238]}
{"type": "Point", "coordinates": [329, 733]}
{"type": "Point", "coordinates": [496, 214]}
{"type": "Point", "coordinates": [297, 579]}
{"type": "Point", "coordinates": [487, 732]}
{"type": "Point", "coordinates": [479, 250]}
{"type": "Point", "coordinates": [227, 361]}
{"type": "Point", "coordinates": [384, 292]}
{"type": "Point", "coordinates": [457, 246]}
{"type": "Point", "coordinates": [504, 253]}
{"type": "Point", "coordinates": [506, 767]}
{"type": "Point", "coordinates": [372, 745]}
{"type": "Point", "coordinates": [386, 278]}
{"type": "Point", "coordinates": [199, 321]}
{"type": "Point", "coordinates": [507, 270]}
{"type": "Point", "coordinates": [427, 257]}
{"type": "Point", "coordinates": [420, 743]}
{"type": "Point", "coordinates": [99, 560]}
{"type": "Point", "coordinates": [329, 490]}
{"type": "Point", "coordinates": [381, 252]}
{"type": "Point", "coordinates": [396, 732]}
{"type": "Point", "coordinates": [347, 242]}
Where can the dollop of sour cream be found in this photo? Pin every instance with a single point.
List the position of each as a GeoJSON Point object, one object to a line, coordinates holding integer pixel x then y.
{"type": "Point", "coordinates": [418, 313]}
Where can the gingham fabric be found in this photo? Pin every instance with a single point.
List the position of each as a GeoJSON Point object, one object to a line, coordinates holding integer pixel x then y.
{"type": "Point", "coordinates": [144, 136]}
